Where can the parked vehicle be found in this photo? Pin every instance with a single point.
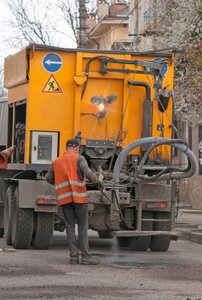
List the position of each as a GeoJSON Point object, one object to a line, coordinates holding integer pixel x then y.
{"type": "Point", "coordinates": [120, 107]}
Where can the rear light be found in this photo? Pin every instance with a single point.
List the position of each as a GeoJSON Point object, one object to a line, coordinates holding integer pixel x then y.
{"type": "Point", "coordinates": [102, 109]}
{"type": "Point", "coordinates": [102, 102]}
{"type": "Point", "coordinates": [43, 200]}
{"type": "Point", "coordinates": [156, 204]}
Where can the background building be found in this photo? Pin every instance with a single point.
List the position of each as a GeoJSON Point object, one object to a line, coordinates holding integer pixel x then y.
{"type": "Point", "coordinates": [108, 28]}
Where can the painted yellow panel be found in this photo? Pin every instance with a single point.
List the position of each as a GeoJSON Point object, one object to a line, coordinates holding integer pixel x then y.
{"type": "Point", "coordinates": [55, 101]}
{"type": "Point", "coordinates": [50, 110]}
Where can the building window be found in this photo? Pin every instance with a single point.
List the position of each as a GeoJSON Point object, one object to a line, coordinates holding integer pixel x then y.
{"type": "Point", "coordinates": [200, 149]}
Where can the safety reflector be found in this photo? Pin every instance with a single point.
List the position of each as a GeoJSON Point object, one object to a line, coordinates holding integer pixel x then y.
{"type": "Point", "coordinates": [156, 204]}
{"type": "Point", "coordinates": [42, 200]}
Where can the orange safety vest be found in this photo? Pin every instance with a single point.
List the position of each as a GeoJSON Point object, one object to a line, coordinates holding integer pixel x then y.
{"type": "Point", "coordinates": [68, 187]}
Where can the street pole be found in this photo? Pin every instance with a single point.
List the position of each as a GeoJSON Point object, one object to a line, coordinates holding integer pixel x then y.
{"type": "Point", "coordinates": [82, 28]}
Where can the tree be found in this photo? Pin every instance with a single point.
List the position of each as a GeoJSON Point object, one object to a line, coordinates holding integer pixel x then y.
{"type": "Point", "coordinates": [70, 15]}
{"type": "Point", "coordinates": [45, 22]}
{"type": "Point", "coordinates": [181, 28]}
{"type": "Point", "coordinates": [3, 91]}
{"type": "Point", "coordinates": [28, 21]}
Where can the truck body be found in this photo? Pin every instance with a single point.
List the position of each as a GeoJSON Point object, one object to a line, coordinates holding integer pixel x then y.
{"type": "Point", "coordinates": [3, 122]}
{"type": "Point", "coordinates": [117, 105]}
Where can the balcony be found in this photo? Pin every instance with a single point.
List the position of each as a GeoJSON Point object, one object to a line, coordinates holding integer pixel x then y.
{"type": "Point", "coordinates": [122, 44]}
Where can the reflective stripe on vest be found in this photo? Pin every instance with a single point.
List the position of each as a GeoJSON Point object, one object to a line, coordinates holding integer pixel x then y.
{"type": "Point", "coordinates": [72, 194]}
{"type": "Point", "coordinates": [58, 186]}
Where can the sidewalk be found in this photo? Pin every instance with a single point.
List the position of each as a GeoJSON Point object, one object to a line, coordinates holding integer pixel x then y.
{"type": "Point", "coordinates": [189, 224]}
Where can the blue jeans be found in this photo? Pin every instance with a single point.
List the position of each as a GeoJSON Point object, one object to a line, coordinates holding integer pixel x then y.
{"type": "Point", "coordinates": [77, 212]}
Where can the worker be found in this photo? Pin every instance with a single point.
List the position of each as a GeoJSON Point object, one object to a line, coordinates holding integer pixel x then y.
{"type": "Point", "coordinates": [68, 173]}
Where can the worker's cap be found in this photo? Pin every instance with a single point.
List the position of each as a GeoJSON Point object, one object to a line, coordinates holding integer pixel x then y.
{"type": "Point", "coordinates": [72, 143]}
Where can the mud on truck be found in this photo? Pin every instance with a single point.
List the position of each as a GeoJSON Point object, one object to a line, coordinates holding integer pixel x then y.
{"type": "Point", "coordinates": [120, 107]}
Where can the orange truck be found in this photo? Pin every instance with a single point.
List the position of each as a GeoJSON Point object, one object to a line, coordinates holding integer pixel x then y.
{"type": "Point", "coordinates": [120, 107]}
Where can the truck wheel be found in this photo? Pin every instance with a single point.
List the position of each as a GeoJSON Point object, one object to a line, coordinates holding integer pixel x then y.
{"type": "Point", "coordinates": [1, 232]}
{"type": "Point", "coordinates": [8, 209]}
{"type": "Point", "coordinates": [161, 243]}
{"type": "Point", "coordinates": [22, 224]}
{"type": "Point", "coordinates": [141, 243]}
{"type": "Point", "coordinates": [122, 241]}
{"type": "Point", "coordinates": [43, 230]}
{"type": "Point", "coordinates": [107, 234]}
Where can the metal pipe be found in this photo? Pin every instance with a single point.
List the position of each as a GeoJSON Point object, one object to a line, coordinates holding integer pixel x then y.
{"type": "Point", "coordinates": [114, 209]}
{"type": "Point", "coordinates": [145, 85]}
{"type": "Point", "coordinates": [170, 176]}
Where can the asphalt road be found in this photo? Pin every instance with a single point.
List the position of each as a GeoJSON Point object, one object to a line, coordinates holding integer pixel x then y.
{"type": "Point", "coordinates": [122, 274]}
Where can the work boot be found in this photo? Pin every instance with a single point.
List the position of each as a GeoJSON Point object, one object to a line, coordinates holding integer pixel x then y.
{"type": "Point", "coordinates": [89, 260]}
{"type": "Point", "coordinates": [74, 260]}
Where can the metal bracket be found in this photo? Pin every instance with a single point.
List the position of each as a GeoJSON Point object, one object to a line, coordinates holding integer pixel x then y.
{"type": "Point", "coordinates": [160, 127]}
{"type": "Point", "coordinates": [148, 66]}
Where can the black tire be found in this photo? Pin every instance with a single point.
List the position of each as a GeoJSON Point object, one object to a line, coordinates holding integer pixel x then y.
{"type": "Point", "coordinates": [22, 224]}
{"type": "Point", "coordinates": [122, 241]}
{"type": "Point", "coordinates": [43, 230]}
{"type": "Point", "coordinates": [1, 232]}
{"type": "Point", "coordinates": [8, 210]}
{"type": "Point", "coordinates": [141, 243]}
{"type": "Point", "coordinates": [107, 234]}
{"type": "Point", "coordinates": [161, 243]}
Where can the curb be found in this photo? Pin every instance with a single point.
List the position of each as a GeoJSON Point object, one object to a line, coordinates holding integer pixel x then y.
{"type": "Point", "coordinates": [196, 236]}
{"type": "Point", "coordinates": [190, 211]}
{"type": "Point", "coordinates": [190, 234]}
{"type": "Point", "coordinates": [189, 224]}
{"type": "Point", "coordinates": [184, 234]}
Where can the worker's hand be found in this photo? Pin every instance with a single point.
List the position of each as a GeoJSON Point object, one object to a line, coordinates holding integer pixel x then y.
{"type": "Point", "coordinates": [100, 185]}
{"type": "Point", "coordinates": [100, 177]}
